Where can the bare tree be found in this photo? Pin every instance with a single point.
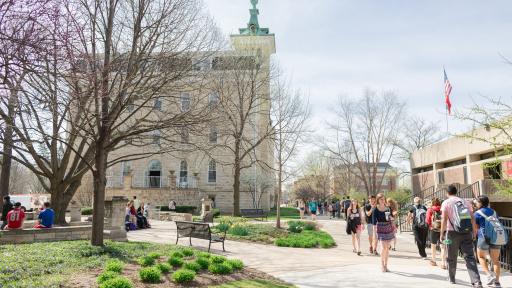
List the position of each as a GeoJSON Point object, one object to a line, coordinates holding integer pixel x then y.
{"type": "Point", "coordinates": [243, 85]}
{"type": "Point", "coordinates": [365, 134]}
{"type": "Point", "coordinates": [257, 186]}
{"type": "Point", "coordinates": [290, 111]}
{"type": "Point", "coordinates": [418, 133]}
{"type": "Point", "coordinates": [318, 172]}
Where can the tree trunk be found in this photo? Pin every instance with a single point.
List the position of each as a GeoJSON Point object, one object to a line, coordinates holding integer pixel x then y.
{"type": "Point", "coordinates": [236, 189]}
{"type": "Point", "coordinates": [5, 171]}
{"type": "Point", "coordinates": [100, 181]}
{"type": "Point", "coordinates": [278, 198]}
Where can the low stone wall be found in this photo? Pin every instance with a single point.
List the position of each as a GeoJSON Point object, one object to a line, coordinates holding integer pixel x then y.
{"type": "Point", "coordinates": [45, 235]}
{"type": "Point", "coordinates": [170, 216]}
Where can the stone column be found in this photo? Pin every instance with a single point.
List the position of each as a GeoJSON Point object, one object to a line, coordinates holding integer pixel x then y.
{"type": "Point", "coordinates": [114, 212]}
{"type": "Point", "coordinates": [75, 211]}
{"type": "Point", "coordinates": [172, 180]}
{"type": "Point", "coordinates": [127, 181]}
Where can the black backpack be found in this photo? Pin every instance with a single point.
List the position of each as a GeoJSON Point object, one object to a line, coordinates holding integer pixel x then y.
{"type": "Point", "coordinates": [420, 216]}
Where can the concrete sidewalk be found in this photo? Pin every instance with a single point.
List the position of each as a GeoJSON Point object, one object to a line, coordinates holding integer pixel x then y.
{"type": "Point", "coordinates": [336, 267]}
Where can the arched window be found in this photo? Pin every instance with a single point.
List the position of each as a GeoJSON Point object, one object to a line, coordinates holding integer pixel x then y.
{"type": "Point", "coordinates": [158, 104]}
{"type": "Point", "coordinates": [212, 171]}
{"type": "Point", "coordinates": [154, 174]}
{"type": "Point", "coordinates": [156, 137]}
{"type": "Point", "coordinates": [183, 174]}
{"type": "Point", "coordinates": [185, 102]}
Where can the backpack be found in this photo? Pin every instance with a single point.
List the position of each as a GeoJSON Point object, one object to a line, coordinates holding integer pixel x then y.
{"type": "Point", "coordinates": [494, 232]}
{"type": "Point", "coordinates": [436, 221]}
{"type": "Point", "coordinates": [420, 216]}
{"type": "Point", "coordinates": [462, 215]}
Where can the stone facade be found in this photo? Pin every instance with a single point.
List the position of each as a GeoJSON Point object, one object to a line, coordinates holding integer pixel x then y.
{"type": "Point", "coordinates": [187, 174]}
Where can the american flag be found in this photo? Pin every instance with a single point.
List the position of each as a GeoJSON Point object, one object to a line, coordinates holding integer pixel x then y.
{"type": "Point", "coordinates": [447, 91]}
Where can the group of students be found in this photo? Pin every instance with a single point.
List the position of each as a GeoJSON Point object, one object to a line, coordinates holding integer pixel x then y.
{"type": "Point", "coordinates": [457, 225]}
{"type": "Point", "coordinates": [13, 215]}
{"type": "Point", "coordinates": [335, 209]}
{"type": "Point", "coordinates": [453, 225]}
{"type": "Point", "coordinates": [137, 214]}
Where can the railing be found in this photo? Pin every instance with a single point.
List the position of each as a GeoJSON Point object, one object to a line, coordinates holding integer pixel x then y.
{"type": "Point", "coordinates": [403, 226]}
{"type": "Point", "coordinates": [186, 183]}
{"type": "Point", "coordinates": [471, 191]}
{"type": "Point", "coordinates": [115, 182]}
{"type": "Point", "coordinates": [506, 251]}
{"type": "Point", "coordinates": [150, 182]}
{"type": "Point", "coordinates": [424, 192]}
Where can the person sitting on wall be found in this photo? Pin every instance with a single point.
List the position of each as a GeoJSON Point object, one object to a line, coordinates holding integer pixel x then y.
{"type": "Point", "coordinates": [46, 217]}
{"type": "Point", "coordinates": [15, 218]}
{"type": "Point", "coordinates": [6, 208]}
{"type": "Point", "coordinates": [142, 221]}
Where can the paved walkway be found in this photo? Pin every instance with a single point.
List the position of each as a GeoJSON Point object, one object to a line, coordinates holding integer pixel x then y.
{"type": "Point", "coordinates": [336, 267]}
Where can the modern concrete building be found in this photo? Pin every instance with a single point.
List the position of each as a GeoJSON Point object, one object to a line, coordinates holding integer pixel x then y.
{"type": "Point", "coordinates": [475, 166]}
{"type": "Point", "coordinates": [188, 175]}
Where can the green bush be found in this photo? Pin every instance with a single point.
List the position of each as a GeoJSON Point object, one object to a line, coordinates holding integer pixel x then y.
{"type": "Point", "coordinates": [154, 255]}
{"type": "Point", "coordinates": [203, 262]}
{"type": "Point", "coordinates": [220, 268]}
{"type": "Point", "coordinates": [203, 254]}
{"type": "Point", "coordinates": [235, 264]}
{"type": "Point", "coordinates": [118, 282]}
{"type": "Point", "coordinates": [183, 276]}
{"type": "Point", "coordinates": [87, 211]}
{"type": "Point", "coordinates": [295, 226]}
{"type": "Point", "coordinates": [164, 267]}
{"type": "Point", "coordinates": [146, 261]}
{"type": "Point", "coordinates": [175, 261]}
{"type": "Point", "coordinates": [216, 212]}
{"type": "Point", "coordinates": [187, 252]}
{"type": "Point", "coordinates": [106, 275]}
{"type": "Point", "coordinates": [150, 275]}
{"type": "Point", "coordinates": [177, 254]}
{"type": "Point", "coordinates": [238, 230]}
{"type": "Point", "coordinates": [194, 266]}
{"type": "Point", "coordinates": [222, 227]}
{"type": "Point", "coordinates": [310, 226]}
{"type": "Point", "coordinates": [217, 259]}
{"type": "Point", "coordinates": [114, 266]}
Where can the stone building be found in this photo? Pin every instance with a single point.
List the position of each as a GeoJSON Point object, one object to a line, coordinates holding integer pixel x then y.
{"type": "Point", "coordinates": [188, 175]}
{"type": "Point", "coordinates": [347, 179]}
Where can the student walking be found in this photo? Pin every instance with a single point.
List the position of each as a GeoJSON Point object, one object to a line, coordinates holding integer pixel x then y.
{"type": "Point", "coordinates": [383, 220]}
{"type": "Point", "coordinates": [394, 212]}
{"type": "Point", "coordinates": [313, 206]}
{"type": "Point", "coordinates": [368, 209]}
{"type": "Point", "coordinates": [301, 208]}
{"type": "Point", "coordinates": [418, 216]}
{"type": "Point", "coordinates": [491, 236]}
{"type": "Point", "coordinates": [458, 229]}
{"type": "Point", "coordinates": [355, 225]}
{"type": "Point", "coordinates": [434, 225]}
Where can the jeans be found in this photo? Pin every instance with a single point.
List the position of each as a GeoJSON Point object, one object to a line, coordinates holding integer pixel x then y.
{"type": "Point", "coordinates": [464, 243]}
{"type": "Point", "coordinates": [420, 235]}
{"type": "Point", "coordinates": [4, 223]}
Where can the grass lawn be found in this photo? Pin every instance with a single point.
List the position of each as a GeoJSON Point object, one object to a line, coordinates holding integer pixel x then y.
{"type": "Point", "coordinates": [286, 213]}
{"type": "Point", "coordinates": [254, 284]}
{"type": "Point", "coordinates": [77, 264]}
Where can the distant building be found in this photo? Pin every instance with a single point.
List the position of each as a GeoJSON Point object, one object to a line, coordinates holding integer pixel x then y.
{"type": "Point", "coordinates": [346, 179]}
{"type": "Point", "coordinates": [473, 165]}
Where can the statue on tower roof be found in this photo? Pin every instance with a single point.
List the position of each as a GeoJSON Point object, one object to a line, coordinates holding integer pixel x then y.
{"type": "Point", "coordinates": [253, 27]}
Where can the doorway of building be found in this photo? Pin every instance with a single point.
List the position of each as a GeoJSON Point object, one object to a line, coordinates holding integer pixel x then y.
{"type": "Point", "coordinates": [154, 174]}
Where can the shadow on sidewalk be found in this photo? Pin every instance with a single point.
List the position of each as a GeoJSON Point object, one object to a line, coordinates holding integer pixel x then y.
{"type": "Point", "coordinates": [429, 276]}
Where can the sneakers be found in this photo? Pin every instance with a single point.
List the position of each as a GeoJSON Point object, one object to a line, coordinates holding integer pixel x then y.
{"type": "Point", "coordinates": [477, 285]}
{"type": "Point", "coordinates": [497, 285]}
{"type": "Point", "coordinates": [371, 250]}
{"type": "Point", "coordinates": [489, 280]}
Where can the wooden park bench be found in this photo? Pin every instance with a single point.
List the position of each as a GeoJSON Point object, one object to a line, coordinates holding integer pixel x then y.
{"type": "Point", "coordinates": [199, 231]}
{"type": "Point", "coordinates": [254, 213]}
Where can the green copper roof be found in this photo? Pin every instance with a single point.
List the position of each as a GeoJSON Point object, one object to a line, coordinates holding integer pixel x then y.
{"type": "Point", "coordinates": [253, 27]}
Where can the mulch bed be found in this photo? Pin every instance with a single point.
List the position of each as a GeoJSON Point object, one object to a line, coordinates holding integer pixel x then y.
{"type": "Point", "coordinates": [203, 278]}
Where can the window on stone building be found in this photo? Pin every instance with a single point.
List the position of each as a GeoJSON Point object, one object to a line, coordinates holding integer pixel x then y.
{"type": "Point", "coordinates": [213, 135]}
{"type": "Point", "coordinates": [183, 181]}
{"type": "Point", "coordinates": [158, 104]}
{"type": "Point", "coordinates": [156, 137]}
{"type": "Point", "coordinates": [154, 174]}
{"type": "Point", "coordinates": [184, 135]}
{"type": "Point", "coordinates": [185, 102]}
{"type": "Point", "coordinates": [213, 99]}
{"type": "Point", "coordinates": [212, 171]}
{"type": "Point", "coordinates": [126, 167]}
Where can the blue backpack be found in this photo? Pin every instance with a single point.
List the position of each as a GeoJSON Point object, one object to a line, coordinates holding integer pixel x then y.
{"type": "Point", "coordinates": [494, 232]}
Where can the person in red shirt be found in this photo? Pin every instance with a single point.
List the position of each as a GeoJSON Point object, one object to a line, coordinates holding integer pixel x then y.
{"type": "Point", "coordinates": [15, 218]}
{"type": "Point", "coordinates": [433, 220]}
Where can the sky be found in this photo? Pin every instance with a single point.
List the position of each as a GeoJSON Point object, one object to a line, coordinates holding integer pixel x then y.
{"type": "Point", "coordinates": [341, 47]}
